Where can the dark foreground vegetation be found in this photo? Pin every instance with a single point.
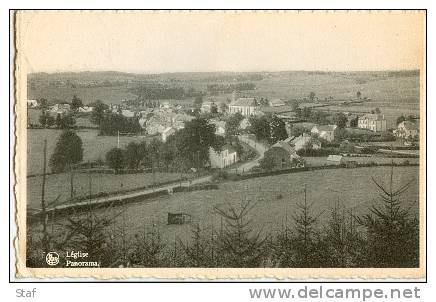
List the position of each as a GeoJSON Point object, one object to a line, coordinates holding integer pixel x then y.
{"type": "Point", "coordinates": [386, 236]}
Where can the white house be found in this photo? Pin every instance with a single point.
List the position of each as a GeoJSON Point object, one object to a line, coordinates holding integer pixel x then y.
{"type": "Point", "coordinates": [407, 129]}
{"type": "Point", "coordinates": [127, 113]}
{"type": "Point", "coordinates": [245, 123]}
{"type": "Point", "coordinates": [373, 122]}
{"type": "Point", "coordinates": [220, 127]}
{"type": "Point", "coordinates": [304, 141]}
{"type": "Point", "coordinates": [246, 106]}
{"type": "Point", "coordinates": [60, 108]}
{"type": "Point", "coordinates": [32, 103]}
{"type": "Point", "coordinates": [326, 132]}
{"type": "Point", "coordinates": [226, 157]}
{"type": "Point", "coordinates": [86, 109]}
{"type": "Point", "coordinates": [167, 133]}
{"type": "Point", "coordinates": [336, 159]}
{"type": "Point", "coordinates": [276, 103]}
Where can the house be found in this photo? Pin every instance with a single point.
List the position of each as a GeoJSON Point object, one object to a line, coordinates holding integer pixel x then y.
{"type": "Point", "coordinates": [221, 159]}
{"type": "Point", "coordinates": [167, 132]}
{"type": "Point", "coordinates": [86, 109]}
{"type": "Point", "coordinates": [127, 113]}
{"type": "Point", "coordinates": [407, 129]}
{"type": "Point", "coordinates": [336, 159]}
{"type": "Point", "coordinates": [281, 154]}
{"type": "Point", "coordinates": [245, 123]}
{"type": "Point", "coordinates": [60, 108]}
{"type": "Point", "coordinates": [352, 120]}
{"type": "Point", "coordinates": [32, 103]}
{"type": "Point", "coordinates": [220, 127]}
{"type": "Point", "coordinates": [305, 141]}
{"type": "Point", "coordinates": [245, 106]}
{"type": "Point", "coordinates": [276, 103]}
{"type": "Point", "coordinates": [207, 106]}
{"type": "Point", "coordinates": [373, 122]}
{"type": "Point", "coordinates": [326, 132]}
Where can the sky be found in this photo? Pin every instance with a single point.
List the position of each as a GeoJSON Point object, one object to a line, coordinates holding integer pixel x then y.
{"type": "Point", "coordinates": [181, 41]}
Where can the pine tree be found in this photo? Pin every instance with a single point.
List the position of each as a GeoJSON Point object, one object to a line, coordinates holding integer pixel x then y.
{"type": "Point", "coordinates": [238, 244]}
{"type": "Point", "coordinates": [392, 234]}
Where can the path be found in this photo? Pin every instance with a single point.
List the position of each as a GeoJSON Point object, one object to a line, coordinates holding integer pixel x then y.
{"type": "Point", "coordinates": [169, 187]}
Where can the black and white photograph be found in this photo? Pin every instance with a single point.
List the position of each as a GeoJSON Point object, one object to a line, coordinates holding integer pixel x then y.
{"type": "Point", "coordinates": [192, 144]}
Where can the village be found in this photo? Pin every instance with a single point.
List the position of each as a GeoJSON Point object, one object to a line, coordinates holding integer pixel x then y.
{"type": "Point", "coordinates": [289, 133]}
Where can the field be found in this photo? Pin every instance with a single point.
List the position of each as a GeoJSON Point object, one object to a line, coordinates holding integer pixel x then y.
{"type": "Point", "coordinates": [59, 184]}
{"type": "Point", "coordinates": [319, 161]}
{"type": "Point", "coordinates": [353, 187]}
{"type": "Point", "coordinates": [386, 90]}
{"type": "Point", "coordinates": [94, 146]}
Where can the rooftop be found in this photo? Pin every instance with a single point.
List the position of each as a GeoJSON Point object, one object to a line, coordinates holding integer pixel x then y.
{"type": "Point", "coordinates": [244, 102]}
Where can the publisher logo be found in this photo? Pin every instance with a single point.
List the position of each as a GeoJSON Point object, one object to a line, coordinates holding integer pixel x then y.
{"type": "Point", "coordinates": [52, 258]}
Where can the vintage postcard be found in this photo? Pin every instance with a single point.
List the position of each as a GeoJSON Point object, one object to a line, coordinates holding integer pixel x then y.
{"type": "Point", "coordinates": [220, 144]}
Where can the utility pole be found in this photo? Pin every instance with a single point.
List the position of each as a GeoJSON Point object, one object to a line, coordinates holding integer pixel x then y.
{"type": "Point", "coordinates": [45, 241]}
{"type": "Point", "coordinates": [118, 139]}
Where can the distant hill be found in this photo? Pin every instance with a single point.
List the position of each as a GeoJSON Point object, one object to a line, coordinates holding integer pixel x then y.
{"type": "Point", "coordinates": [399, 87]}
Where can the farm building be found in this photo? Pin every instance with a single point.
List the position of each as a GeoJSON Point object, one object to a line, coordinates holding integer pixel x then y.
{"type": "Point", "coordinates": [281, 154]}
{"type": "Point", "coordinates": [220, 127]}
{"type": "Point", "coordinates": [245, 106]}
{"type": "Point", "coordinates": [86, 109]}
{"type": "Point", "coordinates": [245, 123]}
{"type": "Point", "coordinates": [373, 122]}
{"type": "Point", "coordinates": [60, 108]}
{"type": "Point", "coordinates": [276, 103]}
{"type": "Point", "coordinates": [167, 133]}
{"type": "Point", "coordinates": [407, 129]}
{"type": "Point", "coordinates": [226, 157]}
{"type": "Point", "coordinates": [305, 141]}
{"type": "Point", "coordinates": [32, 103]}
{"type": "Point", "coordinates": [337, 159]}
{"type": "Point", "coordinates": [326, 132]}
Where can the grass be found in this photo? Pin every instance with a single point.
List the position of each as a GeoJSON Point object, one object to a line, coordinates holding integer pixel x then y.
{"type": "Point", "coordinates": [94, 146]}
{"type": "Point", "coordinates": [59, 184]}
{"type": "Point", "coordinates": [352, 186]}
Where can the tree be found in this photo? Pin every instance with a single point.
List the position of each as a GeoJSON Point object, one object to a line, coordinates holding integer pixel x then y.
{"type": "Point", "coordinates": [115, 159]}
{"type": "Point", "coordinates": [67, 153]}
{"type": "Point", "coordinates": [392, 234]}
{"type": "Point", "coordinates": [199, 252]}
{"type": "Point", "coordinates": [306, 248]}
{"type": "Point", "coordinates": [43, 119]}
{"type": "Point", "coordinates": [238, 244]}
{"type": "Point", "coordinates": [194, 141]}
{"type": "Point", "coordinates": [43, 104]}
{"type": "Point", "coordinates": [168, 152]}
{"type": "Point", "coordinates": [232, 124]}
{"type": "Point", "coordinates": [98, 112]}
{"type": "Point", "coordinates": [340, 120]}
{"type": "Point", "coordinates": [260, 128]}
{"type": "Point", "coordinates": [312, 96]}
{"type": "Point", "coordinates": [278, 130]}
{"type": "Point", "coordinates": [213, 108]}
{"type": "Point", "coordinates": [354, 122]}
{"type": "Point", "coordinates": [198, 101]}
{"type": "Point", "coordinates": [132, 156]}
{"type": "Point", "coordinates": [66, 121]}
{"type": "Point", "coordinates": [223, 107]}
{"type": "Point", "coordinates": [267, 163]}
{"type": "Point", "coordinates": [76, 103]}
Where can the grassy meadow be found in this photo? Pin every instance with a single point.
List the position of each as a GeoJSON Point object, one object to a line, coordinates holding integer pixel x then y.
{"type": "Point", "coordinates": [275, 198]}
{"type": "Point", "coordinates": [94, 146]}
